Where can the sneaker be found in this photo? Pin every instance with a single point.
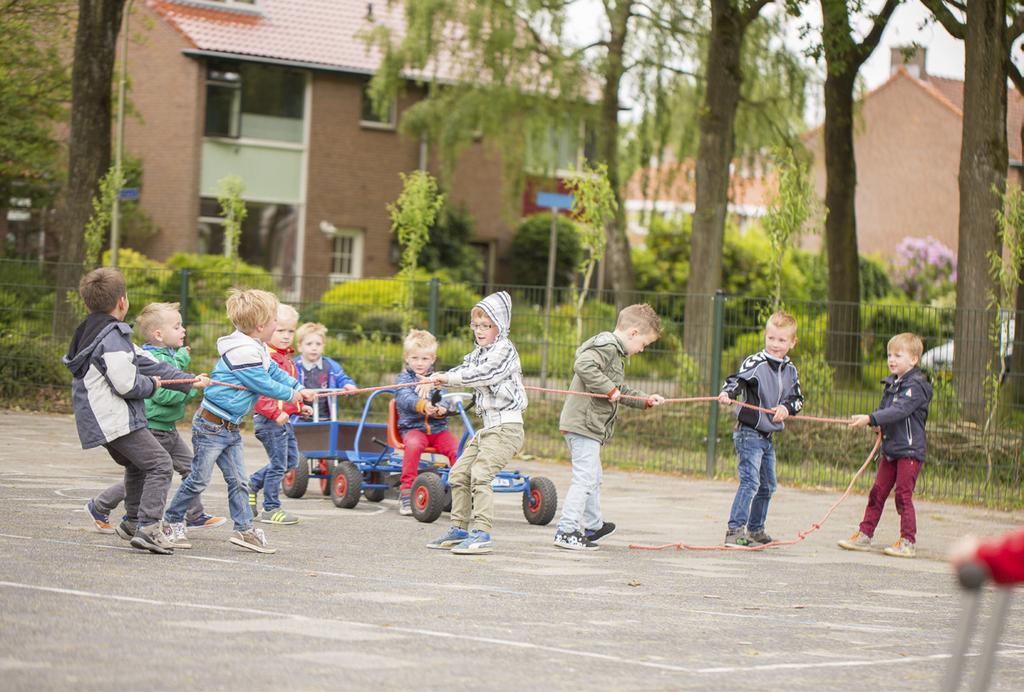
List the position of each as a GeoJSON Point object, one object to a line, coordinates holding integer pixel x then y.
{"type": "Point", "coordinates": [277, 516]}
{"type": "Point", "coordinates": [100, 521]}
{"type": "Point", "coordinates": [176, 534]}
{"type": "Point", "coordinates": [478, 543]}
{"type": "Point", "coordinates": [452, 538]}
{"type": "Point", "coordinates": [760, 538]}
{"type": "Point", "coordinates": [253, 539]}
{"type": "Point", "coordinates": [252, 503]}
{"type": "Point", "coordinates": [573, 540]}
{"type": "Point", "coordinates": [858, 541]}
{"type": "Point", "coordinates": [205, 521]}
{"type": "Point", "coordinates": [126, 529]}
{"type": "Point", "coordinates": [405, 502]}
{"type": "Point", "coordinates": [901, 548]}
{"type": "Point", "coordinates": [153, 539]}
{"type": "Point", "coordinates": [737, 538]}
{"type": "Point", "coordinates": [594, 535]}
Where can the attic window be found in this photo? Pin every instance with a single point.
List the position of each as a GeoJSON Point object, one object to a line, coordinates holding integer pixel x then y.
{"type": "Point", "coordinates": [243, 6]}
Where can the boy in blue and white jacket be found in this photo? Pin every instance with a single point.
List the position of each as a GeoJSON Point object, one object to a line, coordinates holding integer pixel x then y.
{"type": "Point", "coordinates": [111, 378]}
{"type": "Point", "coordinates": [246, 363]}
{"type": "Point", "coordinates": [493, 370]}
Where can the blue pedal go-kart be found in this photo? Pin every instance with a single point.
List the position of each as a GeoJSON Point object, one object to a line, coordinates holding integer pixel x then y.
{"type": "Point", "coordinates": [354, 459]}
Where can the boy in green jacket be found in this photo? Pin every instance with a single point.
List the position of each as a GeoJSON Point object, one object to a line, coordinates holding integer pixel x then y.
{"type": "Point", "coordinates": [588, 422]}
{"type": "Point", "coordinates": [160, 326]}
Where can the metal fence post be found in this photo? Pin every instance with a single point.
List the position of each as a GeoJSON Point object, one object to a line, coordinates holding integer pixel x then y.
{"type": "Point", "coordinates": [717, 330]}
{"type": "Point", "coordinates": [432, 306]}
{"type": "Point", "coordinates": [183, 294]}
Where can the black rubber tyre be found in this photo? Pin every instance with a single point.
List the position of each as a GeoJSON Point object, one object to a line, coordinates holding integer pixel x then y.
{"type": "Point", "coordinates": [540, 501]}
{"type": "Point", "coordinates": [427, 497]}
{"type": "Point", "coordinates": [326, 466]}
{"type": "Point", "coordinates": [447, 498]}
{"type": "Point", "coordinates": [346, 485]}
{"type": "Point", "coordinates": [376, 494]}
{"type": "Point", "coordinates": [296, 480]}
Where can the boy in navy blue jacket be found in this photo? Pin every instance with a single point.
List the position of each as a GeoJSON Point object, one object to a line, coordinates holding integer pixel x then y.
{"type": "Point", "coordinates": [245, 362]}
{"type": "Point", "coordinates": [421, 423]}
{"type": "Point", "coordinates": [901, 415]}
{"type": "Point", "coordinates": [767, 379]}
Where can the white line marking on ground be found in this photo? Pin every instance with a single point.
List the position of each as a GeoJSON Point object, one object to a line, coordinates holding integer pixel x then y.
{"type": "Point", "coordinates": [492, 640]}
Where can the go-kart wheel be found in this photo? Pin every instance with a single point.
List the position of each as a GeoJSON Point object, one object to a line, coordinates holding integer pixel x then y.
{"type": "Point", "coordinates": [540, 501]}
{"type": "Point", "coordinates": [376, 494]}
{"type": "Point", "coordinates": [296, 480]}
{"type": "Point", "coordinates": [325, 483]}
{"type": "Point", "coordinates": [346, 485]}
{"type": "Point", "coordinates": [447, 498]}
{"type": "Point", "coordinates": [427, 497]}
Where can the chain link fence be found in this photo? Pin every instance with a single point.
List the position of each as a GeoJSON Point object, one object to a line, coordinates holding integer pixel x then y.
{"type": "Point", "coordinates": [366, 321]}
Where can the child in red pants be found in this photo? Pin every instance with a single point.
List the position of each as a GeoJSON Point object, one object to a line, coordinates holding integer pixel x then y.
{"type": "Point", "coordinates": [421, 423]}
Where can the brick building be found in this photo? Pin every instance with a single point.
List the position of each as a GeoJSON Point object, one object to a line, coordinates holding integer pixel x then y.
{"type": "Point", "coordinates": [275, 91]}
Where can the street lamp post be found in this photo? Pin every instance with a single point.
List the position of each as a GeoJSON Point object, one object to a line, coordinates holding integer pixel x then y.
{"type": "Point", "coordinates": [115, 212]}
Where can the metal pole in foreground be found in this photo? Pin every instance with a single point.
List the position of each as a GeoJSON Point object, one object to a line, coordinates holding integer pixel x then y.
{"type": "Point", "coordinates": [115, 212]}
{"type": "Point", "coordinates": [549, 288]}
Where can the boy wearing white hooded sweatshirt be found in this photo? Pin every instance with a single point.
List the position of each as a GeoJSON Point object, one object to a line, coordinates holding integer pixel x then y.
{"type": "Point", "coordinates": [494, 371]}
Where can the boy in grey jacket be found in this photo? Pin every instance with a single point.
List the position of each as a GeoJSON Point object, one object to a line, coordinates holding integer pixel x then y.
{"type": "Point", "coordinates": [767, 379]}
{"type": "Point", "coordinates": [111, 377]}
{"type": "Point", "coordinates": [493, 370]}
{"type": "Point", "coordinates": [588, 422]}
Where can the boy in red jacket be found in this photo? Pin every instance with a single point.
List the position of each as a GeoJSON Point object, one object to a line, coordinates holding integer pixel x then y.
{"type": "Point", "coordinates": [271, 421]}
{"type": "Point", "coordinates": [1003, 556]}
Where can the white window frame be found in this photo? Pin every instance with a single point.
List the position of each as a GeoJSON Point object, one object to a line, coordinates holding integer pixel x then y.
{"type": "Point", "coordinates": [356, 235]}
{"type": "Point", "coordinates": [226, 5]}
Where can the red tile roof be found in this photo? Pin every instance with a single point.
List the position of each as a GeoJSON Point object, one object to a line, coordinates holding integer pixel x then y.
{"type": "Point", "coordinates": [317, 32]}
{"type": "Point", "coordinates": [674, 182]}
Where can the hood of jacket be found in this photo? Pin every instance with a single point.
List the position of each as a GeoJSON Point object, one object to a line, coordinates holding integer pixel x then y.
{"type": "Point", "coordinates": [87, 337]}
{"type": "Point", "coordinates": [498, 306]}
{"type": "Point", "coordinates": [600, 341]}
{"type": "Point", "coordinates": [237, 339]}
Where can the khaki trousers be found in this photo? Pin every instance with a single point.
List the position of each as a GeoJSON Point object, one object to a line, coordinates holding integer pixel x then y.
{"type": "Point", "coordinates": [482, 458]}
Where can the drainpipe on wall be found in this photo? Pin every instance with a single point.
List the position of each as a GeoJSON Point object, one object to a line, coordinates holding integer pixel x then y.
{"type": "Point", "coordinates": [423, 153]}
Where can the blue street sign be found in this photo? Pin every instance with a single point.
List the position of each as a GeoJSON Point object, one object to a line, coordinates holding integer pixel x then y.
{"type": "Point", "coordinates": [552, 200]}
{"type": "Point", "coordinates": [129, 194]}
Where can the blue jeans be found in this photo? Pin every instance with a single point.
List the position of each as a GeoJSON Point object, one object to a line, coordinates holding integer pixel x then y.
{"type": "Point", "coordinates": [214, 444]}
{"type": "Point", "coordinates": [756, 455]}
{"type": "Point", "coordinates": [581, 509]}
{"type": "Point", "coordinates": [283, 450]}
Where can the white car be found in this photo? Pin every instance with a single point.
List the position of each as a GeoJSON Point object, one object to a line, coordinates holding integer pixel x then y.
{"type": "Point", "coordinates": [941, 357]}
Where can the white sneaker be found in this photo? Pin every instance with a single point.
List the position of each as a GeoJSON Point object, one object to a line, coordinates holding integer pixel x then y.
{"type": "Point", "coordinates": [176, 534]}
{"type": "Point", "coordinates": [253, 539]}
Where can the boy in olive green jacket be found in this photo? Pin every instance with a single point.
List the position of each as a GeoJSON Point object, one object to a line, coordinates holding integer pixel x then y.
{"type": "Point", "coordinates": [160, 326]}
{"type": "Point", "coordinates": [588, 422]}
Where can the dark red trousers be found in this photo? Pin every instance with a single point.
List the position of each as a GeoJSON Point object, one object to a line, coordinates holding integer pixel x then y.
{"type": "Point", "coordinates": [900, 474]}
{"type": "Point", "coordinates": [415, 442]}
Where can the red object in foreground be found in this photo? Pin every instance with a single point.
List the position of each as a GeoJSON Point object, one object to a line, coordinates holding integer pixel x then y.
{"type": "Point", "coordinates": [1004, 557]}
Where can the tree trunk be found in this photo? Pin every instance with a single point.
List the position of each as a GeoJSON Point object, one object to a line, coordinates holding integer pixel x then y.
{"type": "Point", "coordinates": [618, 261]}
{"type": "Point", "coordinates": [99, 22]}
{"type": "Point", "coordinates": [842, 336]}
{"type": "Point", "coordinates": [714, 156]}
{"type": "Point", "coordinates": [983, 163]}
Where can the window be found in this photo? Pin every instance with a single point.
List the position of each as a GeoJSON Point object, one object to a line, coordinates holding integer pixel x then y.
{"type": "Point", "coordinates": [559, 149]}
{"type": "Point", "coordinates": [347, 254]}
{"type": "Point", "coordinates": [244, 6]}
{"type": "Point", "coordinates": [368, 117]}
{"type": "Point", "coordinates": [254, 101]}
{"type": "Point", "coordinates": [269, 234]}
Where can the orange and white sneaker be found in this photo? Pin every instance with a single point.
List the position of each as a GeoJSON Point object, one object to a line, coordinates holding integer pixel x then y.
{"type": "Point", "coordinates": [901, 548]}
{"type": "Point", "coordinates": [858, 541]}
{"type": "Point", "coordinates": [101, 522]}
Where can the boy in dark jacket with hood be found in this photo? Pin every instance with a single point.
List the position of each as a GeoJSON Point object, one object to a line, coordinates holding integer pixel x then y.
{"type": "Point", "coordinates": [111, 378]}
{"type": "Point", "coordinates": [901, 415]}
{"type": "Point", "coordinates": [588, 422]}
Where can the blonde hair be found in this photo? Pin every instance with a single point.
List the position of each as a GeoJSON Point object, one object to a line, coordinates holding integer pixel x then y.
{"type": "Point", "coordinates": [782, 320]}
{"type": "Point", "coordinates": [478, 313]}
{"type": "Point", "coordinates": [419, 340]}
{"type": "Point", "coordinates": [641, 317]}
{"type": "Point", "coordinates": [251, 308]}
{"type": "Point", "coordinates": [102, 288]}
{"type": "Point", "coordinates": [909, 342]}
{"type": "Point", "coordinates": [310, 328]}
{"type": "Point", "coordinates": [153, 317]}
{"type": "Point", "coordinates": [288, 312]}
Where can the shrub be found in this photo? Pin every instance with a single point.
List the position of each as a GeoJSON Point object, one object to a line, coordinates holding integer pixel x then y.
{"type": "Point", "coordinates": [210, 278]}
{"type": "Point", "coordinates": [882, 321]}
{"type": "Point", "coordinates": [925, 268]}
{"type": "Point", "coordinates": [529, 252]}
{"type": "Point", "coordinates": [148, 280]}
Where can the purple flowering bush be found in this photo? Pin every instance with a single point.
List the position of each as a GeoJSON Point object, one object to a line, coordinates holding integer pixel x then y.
{"type": "Point", "coordinates": [925, 269]}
